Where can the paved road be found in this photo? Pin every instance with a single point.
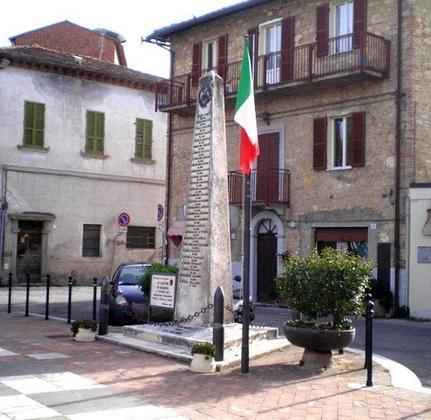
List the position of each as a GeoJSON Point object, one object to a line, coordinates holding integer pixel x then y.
{"type": "Point", "coordinates": [406, 342]}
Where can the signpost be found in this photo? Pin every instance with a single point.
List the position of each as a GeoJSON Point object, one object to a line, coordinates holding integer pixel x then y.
{"type": "Point", "coordinates": [162, 292]}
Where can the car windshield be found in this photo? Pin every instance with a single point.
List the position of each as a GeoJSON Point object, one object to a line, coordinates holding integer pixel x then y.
{"type": "Point", "coordinates": [131, 274]}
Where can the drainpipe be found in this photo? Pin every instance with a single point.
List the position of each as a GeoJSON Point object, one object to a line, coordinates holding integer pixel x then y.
{"type": "Point", "coordinates": [3, 209]}
{"type": "Point", "coordinates": [397, 226]}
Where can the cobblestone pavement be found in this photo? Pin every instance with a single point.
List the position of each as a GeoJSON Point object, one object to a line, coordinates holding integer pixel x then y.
{"type": "Point", "coordinates": [115, 382]}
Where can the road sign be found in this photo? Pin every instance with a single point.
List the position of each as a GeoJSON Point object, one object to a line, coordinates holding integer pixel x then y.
{"type": "Point", "coordinates": [123, 219]}
{"type": "Point", "coordinates": [160, 212]}
{"type": "Point", "coordinates": [121, 229]}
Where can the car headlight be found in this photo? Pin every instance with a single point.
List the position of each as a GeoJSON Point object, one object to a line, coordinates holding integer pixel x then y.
{"type": "Point", "coordinates": [120, 300]}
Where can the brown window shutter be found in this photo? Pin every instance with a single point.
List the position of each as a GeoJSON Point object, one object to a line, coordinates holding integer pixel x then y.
{"type": "Point", "coordinates": [253, 36]}
{"type": "Point", "coordinates": [319, 144]}
{"type": "Point", "coordinates": [196, 63]}
{"type": "Point", "coordinates": [359, 22]}
{"type": "Point", "coordinates": [322, 30]}
{"type": "Point", "coordinates": [222, 56]}
{"type": "Point", "coordinates": [358, 139]}
{"type": "Point", "coordinates": [287, 48]}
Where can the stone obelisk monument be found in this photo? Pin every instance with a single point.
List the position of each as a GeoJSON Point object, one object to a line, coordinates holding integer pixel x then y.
{"type": "Point", "coordinates": [205, 255]}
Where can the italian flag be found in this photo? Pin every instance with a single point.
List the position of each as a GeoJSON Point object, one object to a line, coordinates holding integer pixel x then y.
{"type": "Point", "coordinates": [245, 114]}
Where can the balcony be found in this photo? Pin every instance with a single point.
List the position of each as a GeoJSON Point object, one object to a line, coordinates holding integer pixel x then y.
{"type": "Point", "coordinates": [345, 58]}
{"type": "Point", "coordinates": [269, 187]}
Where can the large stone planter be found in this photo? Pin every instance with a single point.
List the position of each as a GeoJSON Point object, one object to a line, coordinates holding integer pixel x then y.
{"type": "Point", "coordinates": [85, 334]}
{"type": "Point", "coordinates": [318, 344]}
{"type": "Point", "coordinates": [202, 363]}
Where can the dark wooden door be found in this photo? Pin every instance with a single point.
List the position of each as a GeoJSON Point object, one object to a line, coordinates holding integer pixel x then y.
{"type": "Point", "coordinates": [266, 265]}
{"type": "Point", "coordinates": [267, 167]}
{"type": "Point", "coordinates": [29, 250]}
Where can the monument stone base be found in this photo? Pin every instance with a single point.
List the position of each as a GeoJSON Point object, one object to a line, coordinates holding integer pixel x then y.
{"type": "Point", "coordinates": [176, 341]}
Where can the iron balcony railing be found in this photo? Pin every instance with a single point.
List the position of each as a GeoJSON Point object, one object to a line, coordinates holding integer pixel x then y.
{"type": "Point", "coordinates": [268, 187]}
{"type": "Point", "coordinates": [348, 53]}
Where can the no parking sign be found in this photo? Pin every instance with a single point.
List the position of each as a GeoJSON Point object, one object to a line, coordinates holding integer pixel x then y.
{"type": "Point", "coordinates": [123, 219]}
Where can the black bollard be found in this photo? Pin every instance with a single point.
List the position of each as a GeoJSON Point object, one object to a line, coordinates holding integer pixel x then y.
{"type": "Point", "coordinates": [69, 301]}
{"type": "Point", "coordinates": [94, 297]}
{"type": "Point", "coordinates": [104, 307]}
{"type": "Point", "coordinates": [9, 300]}
{"type": "Point", "coordinates": [27, 292]}
{"type": "Point", "coordinates": [218, 325]}
{"type": "Point", "coordinates": [48, 284]}
{"type": "Point", "coordinates": [369, 339]}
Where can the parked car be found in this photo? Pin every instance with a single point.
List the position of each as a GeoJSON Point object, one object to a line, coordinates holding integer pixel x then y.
{"type": "Point", "coordinates": [127, 303]}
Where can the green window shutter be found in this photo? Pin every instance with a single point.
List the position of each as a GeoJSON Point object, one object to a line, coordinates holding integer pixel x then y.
{"type": "Point", "coordinates": [34, 124]}
{"type": "Point", "coordinates": [89, 141]}
{"type": "Point", "coordinates": [95, 132]}
{"type": "Point", "coordinates": [148, 139]}
{"type": "Point", "coordinates": [139, 138]}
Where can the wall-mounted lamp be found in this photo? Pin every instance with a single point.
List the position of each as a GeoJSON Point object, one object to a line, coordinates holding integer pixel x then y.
{"type": "Point", "coordinates": [426, 230]}
{"type": "Point", "coordinates": [266, 117]}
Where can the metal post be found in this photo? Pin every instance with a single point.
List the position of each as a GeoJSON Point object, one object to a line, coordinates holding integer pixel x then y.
{"type": "Point", "coordinates": [369, 339]}
{"type": "Point", "coordinates": [218, 325]}
{"type": "Point", "coordinates": [48, 284]}
{"type": "Point", "coordinates": [104, 307]}
{"type": "Point", "coordinates": [246, 279]}
{"type": "Point", "coordinates": [9, 300]}
{"type": "Point", "coordinates": [27, 292]}
{"type": "Point", "coordinates": [94, 297]}
{"type": "Point", "coordinates": [69, 301]}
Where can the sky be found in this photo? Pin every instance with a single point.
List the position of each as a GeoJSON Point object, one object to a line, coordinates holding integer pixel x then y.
{"type": "Point", "coordinates": [130, 18]}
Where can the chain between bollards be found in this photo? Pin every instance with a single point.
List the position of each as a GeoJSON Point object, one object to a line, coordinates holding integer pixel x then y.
{"type": "Point", "coordinates": [27, 292]}
{"type": "Point", "coordinates": [9, 300]}
{"type": "Point", "coordinates": [48, 284]}
{"type": "Point", "coordinates": [69, 301]}
{"type": "Point", "coordinates": [369, 339]}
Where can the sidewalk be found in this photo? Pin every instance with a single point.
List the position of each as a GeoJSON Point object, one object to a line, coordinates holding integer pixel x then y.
{"type": "Point", "coordinates": [50, 376]}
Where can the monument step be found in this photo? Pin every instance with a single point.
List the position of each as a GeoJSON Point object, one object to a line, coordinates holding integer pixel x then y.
{"type": "Point", "coordinates": [189, 335]}
{"type": "Point", "coordinates": [232, 356]}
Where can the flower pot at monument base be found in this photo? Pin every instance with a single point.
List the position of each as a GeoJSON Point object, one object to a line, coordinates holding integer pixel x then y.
{"type": "Point", "coordinates": [318, 343]}
{"type": "Point", "coordinates": [85, 334]}
{"type": "Point", "coordinates": [203, 363]}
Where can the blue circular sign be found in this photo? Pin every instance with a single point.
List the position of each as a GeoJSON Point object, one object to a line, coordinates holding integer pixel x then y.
{"type": "Point", "coordinates": [160, 212]}
{"type": "Point", "coordinates": [123, 219]}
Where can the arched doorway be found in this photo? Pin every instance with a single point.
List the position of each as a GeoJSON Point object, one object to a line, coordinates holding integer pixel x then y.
{"type": "Point", "coordinates": [266, 267]}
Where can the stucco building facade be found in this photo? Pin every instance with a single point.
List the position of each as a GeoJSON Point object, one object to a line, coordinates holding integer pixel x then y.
{"type": "Point", "coordinates": [343, 122]}
{"type": "Point", "coordinates": [81, 144]}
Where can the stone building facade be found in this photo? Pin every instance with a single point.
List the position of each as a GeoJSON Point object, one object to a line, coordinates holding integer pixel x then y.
{"type": "Point", "coordinates": [343, 122]}
{"type": "Point", "coordinates": [81, 144]}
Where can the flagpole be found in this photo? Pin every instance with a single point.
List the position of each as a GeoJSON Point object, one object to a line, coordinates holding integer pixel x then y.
{"type": "Point", "coordinates": [246, 278]}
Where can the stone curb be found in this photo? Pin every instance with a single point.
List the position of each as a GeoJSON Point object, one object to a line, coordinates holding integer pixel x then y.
{"type": "Point", "coordinates": [401, 376]}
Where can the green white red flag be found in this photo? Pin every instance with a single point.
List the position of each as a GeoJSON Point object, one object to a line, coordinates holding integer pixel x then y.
{"type": "Point", "coordinates": [245, 114]}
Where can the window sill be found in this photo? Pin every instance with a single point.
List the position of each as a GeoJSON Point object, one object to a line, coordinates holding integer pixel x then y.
{"type": "Point", "coordinates": [33, 148]}
{"type": "Point", "coordinates": [343, 168]}
{"type": "Point", "coordinates": [143, 161]}
{"type": "Point", "coordinates": [94, 155]}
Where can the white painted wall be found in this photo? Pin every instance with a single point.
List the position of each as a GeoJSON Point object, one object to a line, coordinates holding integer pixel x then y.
{"type": "Point", "coordinates": [419, 273]}
{"type": "Point", "coordinates": [74, 188]}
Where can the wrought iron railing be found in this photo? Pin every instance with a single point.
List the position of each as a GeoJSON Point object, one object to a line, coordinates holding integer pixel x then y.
{"type": "Point", "coordinates": [268, 187]}
{"type": "Point", "coordinates": [305, 63]}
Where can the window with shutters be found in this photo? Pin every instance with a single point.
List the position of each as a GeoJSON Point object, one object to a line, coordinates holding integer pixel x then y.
{"type": "Point", "coordinates": [209, 54]}
{"type": "Point", "coordinates": [143, 139]}
{"type": "Point", "coordinates": [141, 237]}
{"type": "Point", "coordinates": [91, 240]}
{"type": "Point", "coordinates": [342, 26]}
{"type": "Point", "coordinates": [339, 142]}
{"type": "Point", "coordinates": [270, 46]}
{"type": "Point", "coordinates": [95, 133]}
{"type": "Point", "coordinates": [34, 124]}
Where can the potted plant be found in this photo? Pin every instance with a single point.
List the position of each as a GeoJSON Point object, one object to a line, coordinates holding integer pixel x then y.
{"type": "Point", "coordinates": [331, 283]}
{"type": "Point", "coordinates": [203, 357]}
{"type": "Point", "coordinates": [84, 330]}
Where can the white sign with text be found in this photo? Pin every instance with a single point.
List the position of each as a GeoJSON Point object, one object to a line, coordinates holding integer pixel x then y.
{"type": "Point", "coordinates": [162, 292]}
